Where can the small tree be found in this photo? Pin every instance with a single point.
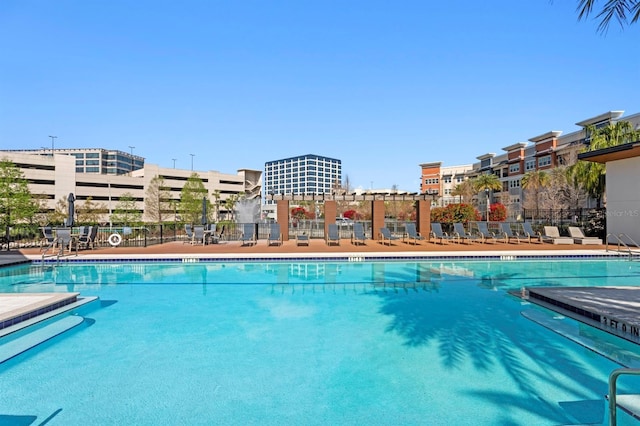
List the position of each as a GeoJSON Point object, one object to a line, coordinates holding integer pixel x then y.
{"type": "Point", "coordinates": [126, 212]}
{"type": "Point", "coordinates": [16, 204]}
{"type": "Point", "coordinates": [191, 199]}
{"type": "Point", "coordinates": [90, 211]}
{"type": "Point", "coordinates": [157, 199]}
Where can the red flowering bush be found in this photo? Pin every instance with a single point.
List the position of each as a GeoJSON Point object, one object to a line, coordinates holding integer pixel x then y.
{"type": "Point", "coordinates": [351, 214]}
{"type": "Point", "coordinates": [455, 213]}
{"type": "Point", "coordinates": [298, 213]}
{"type": "Point", "coordinates": [497, 212]}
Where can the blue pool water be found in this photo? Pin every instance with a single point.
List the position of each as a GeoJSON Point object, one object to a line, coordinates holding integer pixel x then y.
{"type": "Point", "coordinates": [418, 343]}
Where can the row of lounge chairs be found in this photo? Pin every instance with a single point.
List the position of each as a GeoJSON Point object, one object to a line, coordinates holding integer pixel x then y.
{"type": "Point", "coordinates": [459, 235]}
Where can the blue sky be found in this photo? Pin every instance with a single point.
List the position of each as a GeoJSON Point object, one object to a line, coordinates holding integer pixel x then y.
{"type": "Point", "coordinates": [383, 86]}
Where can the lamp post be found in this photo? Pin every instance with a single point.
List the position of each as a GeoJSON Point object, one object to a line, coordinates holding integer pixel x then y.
{"type": "Point", "coordinates": [174, 163]}
{"type": "Point", "coordinates": [53, 138]}
{"type": "Point", "coordinates": [486, 192]}
{"type": "Point", "coordinates": [192, 155]}
{"type": "Point", "coordinates": [131, 150]}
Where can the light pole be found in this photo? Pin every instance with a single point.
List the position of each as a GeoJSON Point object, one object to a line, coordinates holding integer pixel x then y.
{"type": "Point", "coordinates": [192, 155]}
{"type": "Point", "coordinates": [131, 150]}
{"type": "Point", "coordinates": [53, 138]}
{"type": "Point", "coordinates": [486, 192]}
{"type": "Point", "coordinates": [174, 163]}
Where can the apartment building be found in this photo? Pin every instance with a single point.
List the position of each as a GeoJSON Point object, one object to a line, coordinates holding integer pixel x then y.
{"type": "Point", "coordinates": [441, 181]}
{"type": "Point", "coordinates": [54, 177]}
{"type": "Point", "coordinates": [546, 151]}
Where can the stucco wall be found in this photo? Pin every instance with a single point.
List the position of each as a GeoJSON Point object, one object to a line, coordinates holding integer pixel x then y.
{"type": "Point", "coordinates": [623, 198]}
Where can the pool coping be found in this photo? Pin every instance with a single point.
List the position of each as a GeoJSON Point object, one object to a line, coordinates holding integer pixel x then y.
{"type": "Point", "coordinates": [493, 255]}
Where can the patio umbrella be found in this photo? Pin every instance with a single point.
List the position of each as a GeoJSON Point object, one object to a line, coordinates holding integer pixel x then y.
{"type": "Point", "coordinates": [204, 210]}
{"type": "Point", "coordinates": [71, 209]}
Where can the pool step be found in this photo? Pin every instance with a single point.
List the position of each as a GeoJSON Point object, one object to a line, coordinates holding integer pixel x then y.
{"type": "Point", "coordinates": [566, 327]}
{"type": "Point", "coordinates": [630, 404]}
{"type": "Point", "coordinates": [23, 343]}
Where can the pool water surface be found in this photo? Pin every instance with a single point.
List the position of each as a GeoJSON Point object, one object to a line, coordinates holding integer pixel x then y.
{"type": "Point", "coordinates": [310, 343]}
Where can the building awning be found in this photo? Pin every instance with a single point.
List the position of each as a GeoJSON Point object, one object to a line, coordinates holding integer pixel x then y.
{"type": "Point", "coordinates": [614, 153]}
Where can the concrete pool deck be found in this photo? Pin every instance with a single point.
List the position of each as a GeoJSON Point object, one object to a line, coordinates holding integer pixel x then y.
{"type": "Point", "coordinates": [318, 247]}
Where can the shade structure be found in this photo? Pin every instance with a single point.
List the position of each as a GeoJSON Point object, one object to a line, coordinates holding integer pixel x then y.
{"type": "Point", "coordinates": [204, 211]}
{"type": "Point", "coordinates": [70, 209]}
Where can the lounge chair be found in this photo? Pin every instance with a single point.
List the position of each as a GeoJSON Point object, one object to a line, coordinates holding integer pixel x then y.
{"type": "Point", "coordinates": [508, 233]}
{"type": "Point", "coordinates": [333, 234]}
{"type": "Point", "coordinates": [198, 236]}
{"type": "Point", "coordinates": [485, 234]}
{"type": "Point", "coordinates": [358, 236]}
{"type": "Point", "coordinates": [412, 233]}
{"type": "Point", "coordinates": [579, 237]}
{"type": "Point", "coordinates": [302, 238]}
{"type": "Point", "coordinates": [438, 233]}
{"type": "Point", "coordinates": [248, 236]}
{"type": "Point", "coordinates": [530, 233]}
{"type": "Point", "coordinates": [275, 236]}
{"type": "Point", "coordinates": [386, 236]}
{"type": "Point", "coordinates": [461, 234]}
{"type": "Point", "coordinates": [552, 235]}
{"type": "Point", "coordinates": [88, 241]}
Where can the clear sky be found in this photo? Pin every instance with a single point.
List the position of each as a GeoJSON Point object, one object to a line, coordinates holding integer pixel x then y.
{"type": "Point", "coordinates": [381, 85]}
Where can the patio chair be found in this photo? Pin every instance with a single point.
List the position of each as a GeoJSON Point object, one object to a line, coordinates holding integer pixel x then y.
{"type": "Point", "coordinates": [552, 235]}
{"type": "Point", "coordinates": [411, 233]}
{"type": "Point", "coordinates": [215, 237]}
{"type": "Point", "coordinates": [333, 234]}
{"type": "Point", "coordinates": [189, 233]}
{"type": "Point", "coordinates": [579, 237]}
{"type": "Point", "coordinates": [485, 234]}
{"type": "Point", "coordinates": [88, 241]}
{"type": "Point", "coordinates": [248, 236]}
{"type": "Point", "coordinates": [275, 236]}
{"type": "Point", "coordinates": [530, 233]}
{"type": "Point", "coordinates": [64, 240]}
{"type": "Point", "coordinates": [508, 234]}
{"type": "Point", "coordinates": [198, 235]}
{"type": "Point", "coordinates": [438, 233]}
{"type": "Point", "coordinates": [461, 234]}
{"type": "Point", "coordinates": [358, 236]}
{"type": "Point", "coordinates": [47, 238]}
{"type": "Point", "coordinates": [386, 236]}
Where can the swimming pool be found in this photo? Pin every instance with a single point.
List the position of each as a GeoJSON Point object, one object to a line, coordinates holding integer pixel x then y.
{"type": "Point", "coordinates": [380, 343]}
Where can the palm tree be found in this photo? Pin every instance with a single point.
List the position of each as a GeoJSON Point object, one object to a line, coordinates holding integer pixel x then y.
{"type": "Point", "coordinates": [487, 182]}
{"type": "Point", "coordinates": [533, 182]}
{"type": "Point", "coordinates": [592, 175]}
{"type": "Point", "coordinates": [612, 9]}
{"type": "Point", "coordinates": [464, 190]}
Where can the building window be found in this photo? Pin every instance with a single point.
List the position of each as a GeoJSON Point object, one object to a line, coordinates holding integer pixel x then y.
{"type": "Point", "coordinates": [447, 179]}
{"type": "Point", "coordinates": [459, 179]}
{"type": "Point", "coordinates": [544, 161]}
{"type": "Point", "coordinates": [514, 168]}
{"type": "Point", "coordinates": [529, 165]}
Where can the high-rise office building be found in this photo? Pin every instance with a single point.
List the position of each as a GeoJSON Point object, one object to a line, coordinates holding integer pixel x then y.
{"type": "Point", "coordinates": [304, 174]}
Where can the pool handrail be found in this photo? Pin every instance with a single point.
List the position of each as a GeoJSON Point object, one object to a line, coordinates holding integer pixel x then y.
{"type": "Point", "coordinates": [619, 239]}
{"type": "Point", "coordinates": [613, 402]}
